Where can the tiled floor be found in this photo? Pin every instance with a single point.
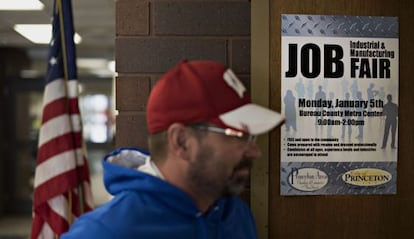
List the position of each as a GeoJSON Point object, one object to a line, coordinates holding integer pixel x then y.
{"type": "Point", "coordinates": [19, 227]}
{"type": "Point", "coordinates": [16, 227]}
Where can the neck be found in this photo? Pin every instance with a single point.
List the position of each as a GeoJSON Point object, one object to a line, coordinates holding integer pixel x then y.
{"type": "Point", "coordinates": [203, 202]}
{"type": "Point", "coordinates": [202, 199]}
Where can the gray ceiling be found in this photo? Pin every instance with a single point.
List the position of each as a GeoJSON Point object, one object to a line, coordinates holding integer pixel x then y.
{"type": "Point", "coordinates": [94, 21]}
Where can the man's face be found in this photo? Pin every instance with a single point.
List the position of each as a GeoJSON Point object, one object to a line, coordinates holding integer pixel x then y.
{"type": "Point", "coordinates": [222, 165]}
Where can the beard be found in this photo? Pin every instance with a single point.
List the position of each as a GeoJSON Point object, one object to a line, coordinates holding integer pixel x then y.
{"type": "Point", "coordinates": [236, 183]}
{"type": "Point", "coordinates": [210, 177]}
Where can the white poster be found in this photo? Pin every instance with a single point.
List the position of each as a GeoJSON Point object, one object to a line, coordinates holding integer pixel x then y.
{"type": "Point", "coordinates": [340, 98]}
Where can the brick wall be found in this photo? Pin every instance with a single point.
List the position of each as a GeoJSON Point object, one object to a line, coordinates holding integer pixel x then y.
{"type": "Point", "coordinates": [154, 35]}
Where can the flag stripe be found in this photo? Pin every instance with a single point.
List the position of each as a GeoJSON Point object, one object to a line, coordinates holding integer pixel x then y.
{"type": "Point", "coordinates": [59, 145]}
{"type": "Point", "coordinates": [58, 107]}
{"type": "Point", "coordinates": [46, 231]}
{"type": "Point", "coordinates": [57, 185]}
{"type": "Point", "coordinates": [48, 170]}
{"type": "Point", "coordinates": [60, 89]}
{"type": "Point", "coordinates": [87, 193]}
{"type": "Point", "coordinates": [58, 204]}
{"type": "Point", "coordinates": [57, 126]}
{"type": "Point", "coordinates": [57, 223]}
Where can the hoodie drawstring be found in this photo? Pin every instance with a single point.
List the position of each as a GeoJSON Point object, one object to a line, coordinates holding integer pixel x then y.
{"type": "Point", "coordinates": [202, 224]}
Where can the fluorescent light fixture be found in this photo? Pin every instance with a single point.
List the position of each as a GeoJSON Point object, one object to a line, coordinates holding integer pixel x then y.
{"type": "Point", "coordinates": [91, 63]}
{"type": "Point", "coordinates": [39, 33]}
{"type": "Point", "coordinates": [36, 33]}
{"type": "Point", "coordinates": [21, 5]}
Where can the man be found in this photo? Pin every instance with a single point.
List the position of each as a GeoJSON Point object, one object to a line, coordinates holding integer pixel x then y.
{"type": "Point", "coordinates": [202, 128]}
{"type": "Point", "coordinates": [320, 95]}
{"type": "Point", "coordinates": [360, 117]}
{"type": "Point", "coordinates": [390, 111]}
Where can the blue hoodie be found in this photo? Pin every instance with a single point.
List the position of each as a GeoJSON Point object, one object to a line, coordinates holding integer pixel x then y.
{"type": "Point", "coordinates": [147, 207]}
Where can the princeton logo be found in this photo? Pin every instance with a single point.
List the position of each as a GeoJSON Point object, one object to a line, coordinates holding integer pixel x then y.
{"type": "Point", "coordinates": [366, 177]}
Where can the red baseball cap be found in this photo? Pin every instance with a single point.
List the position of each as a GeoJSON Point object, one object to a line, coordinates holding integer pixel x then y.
{"type": "Point", "coordinates": [206, 92]}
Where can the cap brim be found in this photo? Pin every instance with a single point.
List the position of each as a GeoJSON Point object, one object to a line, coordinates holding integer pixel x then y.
{"type": "Point", "coordinates": [252, 118]}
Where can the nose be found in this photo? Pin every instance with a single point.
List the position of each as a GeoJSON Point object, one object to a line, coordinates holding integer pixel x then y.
{"type": "Point", "coordinates": [253, 150]}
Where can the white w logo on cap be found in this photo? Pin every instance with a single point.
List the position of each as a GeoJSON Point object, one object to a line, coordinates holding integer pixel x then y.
{"type": "Point", "coordinates": [231, 79]}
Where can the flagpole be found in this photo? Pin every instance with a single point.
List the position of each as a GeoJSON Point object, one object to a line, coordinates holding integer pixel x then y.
{"type": "Point", "coordinates": [66, 80]}
{"type": "Point", "coordinates": [63, 43]}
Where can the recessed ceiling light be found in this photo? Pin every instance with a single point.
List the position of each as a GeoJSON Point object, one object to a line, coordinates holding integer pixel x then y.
{"type": "Point", "coordinates": [39, 33]}
{"type": "Point", "coordinates": [21, 5]}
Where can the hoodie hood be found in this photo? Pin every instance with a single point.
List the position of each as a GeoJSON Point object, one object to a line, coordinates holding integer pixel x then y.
{"type": "Point", "coordinates": [120, 169]}
{"type": "Point", "coordinates": [121, 174]}
{"type": "Point", "coordinates": [128, 157]}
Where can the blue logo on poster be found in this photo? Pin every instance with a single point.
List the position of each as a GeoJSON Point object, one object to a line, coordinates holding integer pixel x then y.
{"type": "Point", "coordinates": [307, 179]}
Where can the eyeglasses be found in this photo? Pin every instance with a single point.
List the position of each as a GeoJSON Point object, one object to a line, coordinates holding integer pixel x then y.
{"type": "Point", "coordinates": [228, 132]}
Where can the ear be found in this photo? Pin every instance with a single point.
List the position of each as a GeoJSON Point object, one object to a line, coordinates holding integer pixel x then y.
{"type": "Point", "coordinates": [179, 141]}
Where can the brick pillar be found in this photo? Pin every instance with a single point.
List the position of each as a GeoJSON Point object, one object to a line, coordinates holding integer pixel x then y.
{"type": "Point", "coordinates": [154, 35]}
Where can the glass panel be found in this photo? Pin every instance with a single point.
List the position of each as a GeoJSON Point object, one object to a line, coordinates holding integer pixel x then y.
{"type": "Point", "coordinates": [28, 119]}
{"type": "Point", "coordinates": [96, 115]}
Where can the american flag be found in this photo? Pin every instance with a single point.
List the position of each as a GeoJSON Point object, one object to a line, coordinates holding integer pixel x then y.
{"type": "Point", "coordinates": [61, 186]}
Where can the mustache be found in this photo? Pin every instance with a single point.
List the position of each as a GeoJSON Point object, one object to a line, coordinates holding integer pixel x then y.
{"type": "Point", "coordinates": [244, 163]}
